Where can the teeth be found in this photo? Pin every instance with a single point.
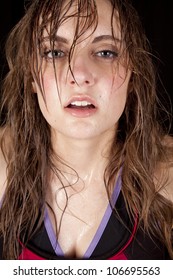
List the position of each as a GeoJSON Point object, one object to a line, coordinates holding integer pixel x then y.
{"type": "Point", "coordinates": [80, 103]}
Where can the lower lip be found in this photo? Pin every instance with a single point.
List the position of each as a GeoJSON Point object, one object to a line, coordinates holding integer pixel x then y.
{"type": "Point", "coordinates": [81, 113]}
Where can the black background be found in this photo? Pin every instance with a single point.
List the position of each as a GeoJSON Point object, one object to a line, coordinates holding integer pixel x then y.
{"type": "Point", "coordinates": [157, 19]}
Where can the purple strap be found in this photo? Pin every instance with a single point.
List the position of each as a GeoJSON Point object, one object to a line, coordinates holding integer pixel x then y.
{"type": "Point", "coordinates": [99, 232]}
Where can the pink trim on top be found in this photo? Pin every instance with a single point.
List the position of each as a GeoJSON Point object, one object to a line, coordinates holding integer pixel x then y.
{"type": "Point", "coordinates": [29, 255]}
{"type": "Point", "coordinates": [120, 255]}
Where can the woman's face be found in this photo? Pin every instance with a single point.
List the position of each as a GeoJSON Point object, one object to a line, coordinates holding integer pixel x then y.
{"type": "Point", "coordinates": [89, 102]}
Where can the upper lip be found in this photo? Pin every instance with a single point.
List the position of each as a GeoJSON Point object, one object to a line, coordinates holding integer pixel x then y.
{"type": "Point", "coordinates": [81, 98]}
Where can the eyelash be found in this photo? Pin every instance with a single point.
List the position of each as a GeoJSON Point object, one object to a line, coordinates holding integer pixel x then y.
{"type": "Point", "coordinates": [54, 53]}
{"type": "Point", "coordinates": [107, 54]}
{"type": "Point", "coordinates": [59, 54]}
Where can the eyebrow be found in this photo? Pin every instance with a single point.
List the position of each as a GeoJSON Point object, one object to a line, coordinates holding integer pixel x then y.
{"type": "Point", "coordinates": [57, 39]}
{"type": "Point", "coordinates": [95, 40]}
{"type": "Point", "coordinates": [105, 37]}
{"type": "Point", "coordinates": [61, 39]}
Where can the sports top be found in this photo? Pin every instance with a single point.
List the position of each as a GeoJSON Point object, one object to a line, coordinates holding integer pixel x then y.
{"type": "Point", "coordinates": [117, 237]}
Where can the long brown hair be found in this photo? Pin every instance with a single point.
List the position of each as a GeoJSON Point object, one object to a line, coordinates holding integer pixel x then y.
{"type": "Point", "coordinates": [138, 145]}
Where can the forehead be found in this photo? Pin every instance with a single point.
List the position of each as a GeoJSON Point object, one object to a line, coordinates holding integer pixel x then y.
{"type": "Point", "coordinates": [92, 16]}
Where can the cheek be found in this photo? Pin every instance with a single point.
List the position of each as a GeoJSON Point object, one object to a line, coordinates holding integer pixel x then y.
{"type": "Point", "coordinates": [121, 79]}
{"type": "Point", "coordinates": [115, 90]}
{"type": "Point", "coordinates": [48, 98]}
{"type": "Point", "coordinates": [115, 79]}
{"type": "Point", "coordinates": [49, 82]}
{"type": "Point", "coordinates": [118, 94]}
{"type": "Point", "coordinates": [53, 79]}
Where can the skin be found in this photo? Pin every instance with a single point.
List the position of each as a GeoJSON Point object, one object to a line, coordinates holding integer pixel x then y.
{"type": "Point", "coordinates": [98, 78]}
{"type": "Point", "coordinates": [83, 142]}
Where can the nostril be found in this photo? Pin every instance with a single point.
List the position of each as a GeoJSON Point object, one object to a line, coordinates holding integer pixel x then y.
{"type": "Point", "coordinates": [73, 82]}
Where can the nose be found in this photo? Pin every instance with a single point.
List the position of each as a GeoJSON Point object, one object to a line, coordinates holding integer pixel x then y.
{"type": "Point", "coordinates": [80, 72]}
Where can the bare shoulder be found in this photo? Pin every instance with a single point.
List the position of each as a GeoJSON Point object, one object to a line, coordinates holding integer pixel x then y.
{"type": "Point", "coordinates": [167, 170]}
{"type": "Point", "coordinates": [3, 166]}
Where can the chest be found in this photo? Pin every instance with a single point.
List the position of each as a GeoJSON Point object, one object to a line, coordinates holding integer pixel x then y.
{"type": "Point", "coordinates": [76, 223]}
{"type": "Point", "coordinates": [79, 216]}
{"type": "Point", "coordinates": [111, 240]}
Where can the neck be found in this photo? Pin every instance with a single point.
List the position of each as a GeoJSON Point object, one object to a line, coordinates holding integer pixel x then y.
{"type": "Point", "coordinates": [88, 157]}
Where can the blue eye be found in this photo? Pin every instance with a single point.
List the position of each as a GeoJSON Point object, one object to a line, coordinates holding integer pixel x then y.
{"type": "Point", "coordinates": [107, 54]}
{"type": "Point", "coordinates": [54, 54]}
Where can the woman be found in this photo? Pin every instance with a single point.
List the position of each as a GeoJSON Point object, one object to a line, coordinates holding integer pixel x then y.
{"type": "Point", "coordinates": [87, 169]}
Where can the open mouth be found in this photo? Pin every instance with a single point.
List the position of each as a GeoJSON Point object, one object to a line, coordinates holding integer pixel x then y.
{"type": "Point", "coordinates": [81, 108]}
{"type": "Point", "coordinates": [81, 105]}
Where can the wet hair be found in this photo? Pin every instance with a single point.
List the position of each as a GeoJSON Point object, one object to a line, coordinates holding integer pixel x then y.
{"type": "Point", "coordinates": [137, 147]}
